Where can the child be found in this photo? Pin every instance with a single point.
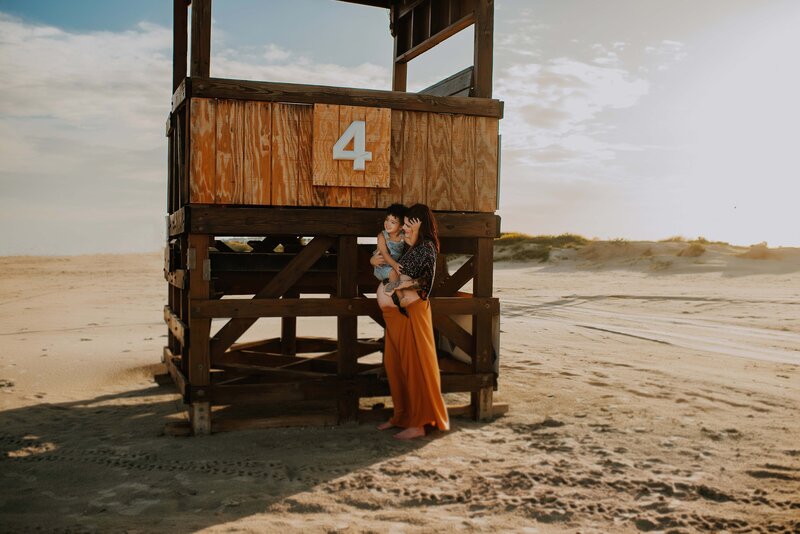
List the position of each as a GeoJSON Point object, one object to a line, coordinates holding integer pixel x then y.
{"type": "Point", "coordinates": [391, 245]}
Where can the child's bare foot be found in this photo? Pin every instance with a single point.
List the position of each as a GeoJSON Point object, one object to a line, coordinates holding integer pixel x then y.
{"type": "Point", "coordinates": [385, 426]}
{"type": "Point", "coordinates": [411, 433]}
{"type": "Point", "coordinates": [390, 287]}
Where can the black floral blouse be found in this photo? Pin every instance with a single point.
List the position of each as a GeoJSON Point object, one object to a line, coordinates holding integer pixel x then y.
{"type": "Point", "coordinates": [419, 262]}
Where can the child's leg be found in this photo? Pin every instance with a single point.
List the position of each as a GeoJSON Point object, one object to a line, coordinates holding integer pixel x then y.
{"type": "Point", "coordinates": [402, 292]}
{"type": "Point", "coordinates": [394, 281]}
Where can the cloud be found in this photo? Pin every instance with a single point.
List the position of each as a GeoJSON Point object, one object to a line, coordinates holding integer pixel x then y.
{"type": "Point", "coordinates": [666, 54]}
{"type": "Point", "coordinates": [82, 119]}
{"type": "Point", "coordinates": [552, 109]}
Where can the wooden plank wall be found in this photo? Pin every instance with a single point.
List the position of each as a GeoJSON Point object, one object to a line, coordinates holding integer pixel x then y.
{"type": "Point", "coordinates": [261, 153]}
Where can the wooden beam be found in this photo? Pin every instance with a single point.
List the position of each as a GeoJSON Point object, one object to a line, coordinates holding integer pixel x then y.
{"type": "Point", "coordinates": [176, 278]}
{"type": "Point", "coordinates": [386, 4]}
{"type": "Point", "coordinates": [326, 389]}
{"type": "Point", "coordinates": [453, 331]}
{"type": "Point", "coordinates": [483, 57]}
{"type": "Point", "coordinates": [462, 383]}
{"type": "Point", "coordinates": [224, 220]}
{"type": "Point", "coordinates": [275, 288]}
{"type": "Point", "coordinates": [174, 371]}
{"type": "Point", "coordinates": [273, 345]}
{"type": "Point", "coordinates": [452, 85]}
{"type": "Point", "coordinates": [434, 40]}
{"type": "Point", "coordinates": [180, 92]}
{"type": "Point", "coordinates": [247, 309]}
{"type": "Point", "coordinates": [228, 425]}
{"type": "Point", "coordinates": [201, 39]}
{"type": "Point", "coordinates": [180, 36]}
{"type": "Point", "coordinates": [347, 325]}
{"type": "Point", "coordinates": [198, 365]}
{"type": "Point", "coordinates": [449, 285]}
{"type": "Point", "coordinates": [320, 94]}
{"type": "Point", "coordinates": [481, 400]}
{"type": "Point", "coordinates": [289, 330]}
{"type": "Point", "coordinates": [176, 326]}
{"type": "Point", "coordinates": [264, 262]}
{"type": "Point", "coordinates": [177, 222]}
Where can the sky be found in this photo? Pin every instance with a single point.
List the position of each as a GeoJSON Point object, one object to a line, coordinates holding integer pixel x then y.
{"type": "Point", "coordinates": [637, 119]}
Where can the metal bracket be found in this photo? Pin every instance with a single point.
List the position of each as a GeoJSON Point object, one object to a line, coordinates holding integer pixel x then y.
{"type": "Point", "coordinates": [191, 259]}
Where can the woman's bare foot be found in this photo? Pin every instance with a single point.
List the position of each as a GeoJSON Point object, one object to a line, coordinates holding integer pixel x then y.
{"type": "Point", "coordinates": [385, 426]}
{"type": "Point", "coordinates": [411, 433]}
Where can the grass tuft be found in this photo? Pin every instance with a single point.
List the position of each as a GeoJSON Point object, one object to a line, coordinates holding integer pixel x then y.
{"type": "Point", "coordinates": [555, 241]}
{"type": "Point", "coordinates": [692, 251]}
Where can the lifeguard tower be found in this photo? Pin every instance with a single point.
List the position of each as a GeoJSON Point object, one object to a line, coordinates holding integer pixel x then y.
{"type": "Point", "coordinates": [274, 161]}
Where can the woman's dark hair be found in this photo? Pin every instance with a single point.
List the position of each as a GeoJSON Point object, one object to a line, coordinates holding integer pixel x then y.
{"type": "Point", "coordinates": [428, 229]}
{"type": "Point", "coordinates": [397, 210]}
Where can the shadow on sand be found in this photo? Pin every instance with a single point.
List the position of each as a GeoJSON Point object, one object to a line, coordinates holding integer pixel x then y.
{"type": "Point", "coordinates": [104, 464]}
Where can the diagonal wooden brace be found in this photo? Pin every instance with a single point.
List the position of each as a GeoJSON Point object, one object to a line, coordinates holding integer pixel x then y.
{"type": "Point", "coordinates": [453, 331]}
{"type": "Point", "coordinates": [456, 281]}
{"type": "Point", "coordinates": [276, 287]}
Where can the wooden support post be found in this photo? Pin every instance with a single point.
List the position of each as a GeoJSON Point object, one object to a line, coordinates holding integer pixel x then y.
{"type": "Point", "coordinates": [180, 15]}
{"type": "Point", "coordinates": [199, 364]}
{"type": "Point", "coordinates": [289, 329]}
{"type": "Point", "coordinates": [400, 71]}
{"type": "Point", "coordinates": [201, 39]}
{"type": "Point", "coordinates": [399, 76]}
{"type": "Point", "coordinates": [347, 331]}
{"type": "Point", "coordinates": [484, 31]}
{"type": "Point", "coordinates": [182, 310]}
{"type": "Point", "coordinates": [481, 400]}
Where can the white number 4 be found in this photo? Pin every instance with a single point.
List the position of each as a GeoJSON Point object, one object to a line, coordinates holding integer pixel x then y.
{"type": "Point", "coordinates": [357, 131]}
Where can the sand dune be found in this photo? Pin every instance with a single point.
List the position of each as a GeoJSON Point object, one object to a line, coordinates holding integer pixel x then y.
{"type": "Point", "coordinates": [641, 399]}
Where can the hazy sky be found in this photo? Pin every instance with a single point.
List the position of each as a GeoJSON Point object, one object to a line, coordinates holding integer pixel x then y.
{"type": "Point", "coordinates": [623, 118]}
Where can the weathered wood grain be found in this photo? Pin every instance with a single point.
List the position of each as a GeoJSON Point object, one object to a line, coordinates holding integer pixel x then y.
{"type": "Point", "coordinates": [305, 172]}
{"type": "Point", "coordinates": [379, 133]}
{"type": "Point", "coordinates": [217, 220]}
{"type": "Point", "coordinates": [284, 154]}
{"type": "Point", "coordinates": [415, 144]}
{"type": "Point", "coordinates": [257, 153]}
{"type": "Point", "coordinates": [230, 152]}
{"type": "Point", "coordinates": [202, 159]}
{"type": "Point", "coordinates": [326, 132]}
{"type": "Point", "coordinates": [347, 176]}
{"type": "Point", "coordinates": [394, 193]}
{"type": "Point", "coordinates": [201, 39]}
{"type": "Point", "coordinates": [439, 164]}
{"type": "Point", "coordinates": [314, 94]}
{"type": "Point", "coordinates": [462, 185]}
{"type": "Point", "coordinates": [485, 164]}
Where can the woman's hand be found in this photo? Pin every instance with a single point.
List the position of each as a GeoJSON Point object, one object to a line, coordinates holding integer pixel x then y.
{"type": "Point", "coordinates": [377, 259]}
{"type": "Point", "coordinates": [411, 230]}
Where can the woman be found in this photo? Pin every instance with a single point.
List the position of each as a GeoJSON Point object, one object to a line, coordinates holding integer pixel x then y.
{"type": "Point", "coordinates": [410, 351]}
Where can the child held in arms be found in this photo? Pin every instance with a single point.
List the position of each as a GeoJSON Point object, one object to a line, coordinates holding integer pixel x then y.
{"type": "Point", "coordinates": [391, 245]}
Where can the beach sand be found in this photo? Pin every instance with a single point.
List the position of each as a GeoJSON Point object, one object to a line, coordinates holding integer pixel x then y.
{"type": "Point", "coordinates": [647, 392]}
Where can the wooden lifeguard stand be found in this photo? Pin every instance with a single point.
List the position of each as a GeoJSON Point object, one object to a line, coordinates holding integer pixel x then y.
{"type": "Point", "coordinates": [251, 158]}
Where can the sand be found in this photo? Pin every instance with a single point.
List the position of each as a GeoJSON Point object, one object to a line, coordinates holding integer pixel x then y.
{"type": "Point", "coordinates": [647, 392]}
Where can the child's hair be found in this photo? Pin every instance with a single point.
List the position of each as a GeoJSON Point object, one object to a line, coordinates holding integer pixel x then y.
{"type": "Point", "coordinates": [398, 210]}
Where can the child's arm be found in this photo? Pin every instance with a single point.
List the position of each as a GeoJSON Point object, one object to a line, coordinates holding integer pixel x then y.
{"type": "Point", "coordinates": [384, 250]}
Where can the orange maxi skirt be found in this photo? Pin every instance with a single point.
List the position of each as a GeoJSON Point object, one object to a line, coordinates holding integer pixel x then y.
{"type": "Point", "coordinates": [412, 369]}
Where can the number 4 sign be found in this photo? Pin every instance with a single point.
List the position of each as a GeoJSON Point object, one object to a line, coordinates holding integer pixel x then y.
{"type": "Point", "coordinates": [351, 146]}
{"type": "Point", "coordinates": [357, 132]}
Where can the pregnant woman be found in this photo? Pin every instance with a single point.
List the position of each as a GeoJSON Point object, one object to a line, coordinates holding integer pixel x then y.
{"type": "Point", "coordinates": [410, 351]}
